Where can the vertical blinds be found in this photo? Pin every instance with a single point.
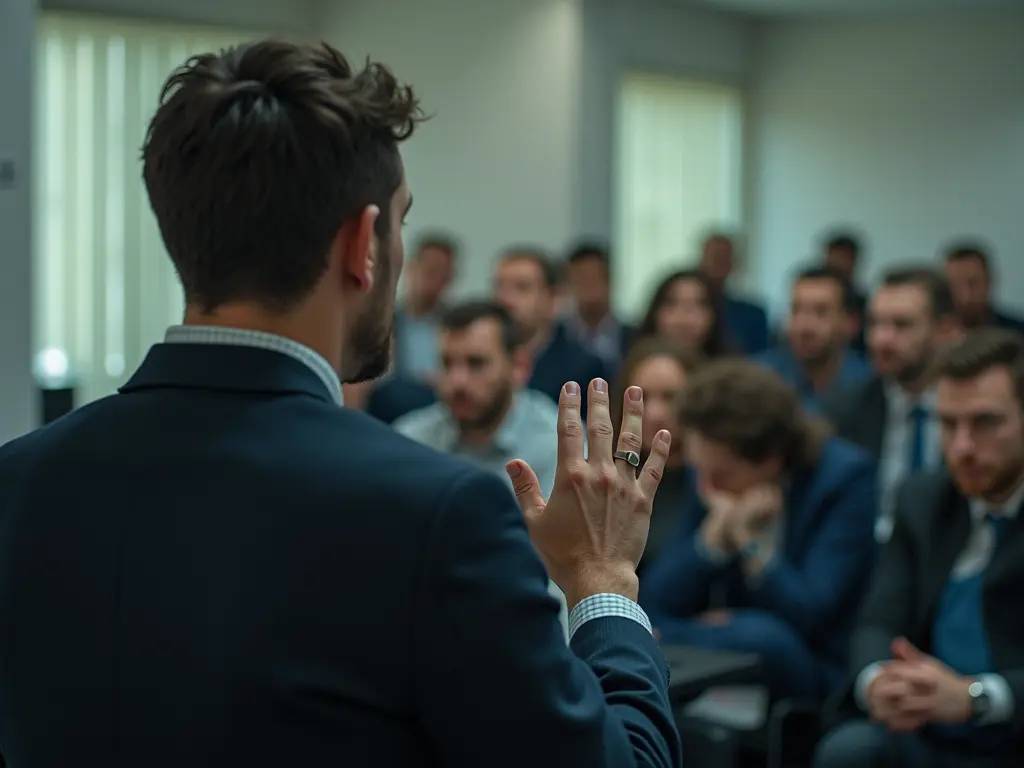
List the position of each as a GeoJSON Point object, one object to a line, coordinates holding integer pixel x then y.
{"type": "Point", "coordinates": [678, 171]}
{"type": "Point", "coordinates": [105, 289]}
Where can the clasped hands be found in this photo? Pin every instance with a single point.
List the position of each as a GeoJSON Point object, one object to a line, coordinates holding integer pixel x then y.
{"type": "Point", "coordinates": [733, 522]}
{"type": "Point", "coordinates": [914, 689]}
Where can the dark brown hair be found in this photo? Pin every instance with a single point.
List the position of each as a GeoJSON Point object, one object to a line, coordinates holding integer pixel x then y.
{"type": "Point", "coordinates": [981, 350]}
{"type": "Point", "coordinates": [717, 343]}
{"type": "Point", "coordinates": [968, 251]}
{"type": "Point", "coordinates": [928, 280]}
{"type": "Point", "coordinates": [461, 316]}
{"type": "Point", "coordinates": [256, 157]}
{"type": "Point", "coordinates": [642, 351]}
{"type": "Point", "coordinates": [752, 412]}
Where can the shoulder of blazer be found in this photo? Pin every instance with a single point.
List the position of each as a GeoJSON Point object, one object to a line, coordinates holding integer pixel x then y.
{"type": "Point", "coordinates": [849, 402]}
{"type": "Point", "coordinates": [921, 495]}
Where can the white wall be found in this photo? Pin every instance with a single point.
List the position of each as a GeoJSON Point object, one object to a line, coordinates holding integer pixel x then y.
{"type": "Point", "coordinates": [523, 92]}
{"type": "Point", "coordinates": [645, 36]}
{"type": "Point", "coordinates": [910, 129]}
{"type": "Point", "coordinates": [496, 163]}
{"type": "Point", "coordinates": [18, 404]}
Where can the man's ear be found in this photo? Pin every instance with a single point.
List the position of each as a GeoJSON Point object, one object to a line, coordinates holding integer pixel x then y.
{"type": "Point", "coordinates": [354, 252]}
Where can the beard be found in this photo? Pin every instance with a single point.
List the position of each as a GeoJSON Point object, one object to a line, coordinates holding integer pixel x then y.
{"type": "Point", "coordinates": [492, 413]}
{"type": "Point", "coordinates": [368, 352]}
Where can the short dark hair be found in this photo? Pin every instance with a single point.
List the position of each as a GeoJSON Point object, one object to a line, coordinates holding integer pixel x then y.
{"type": "Point", "coordinates": [981, 350]}
{"type": "Point", "coordinates": [439, 240]}
{"type": "Point", "coordinates": [930, 281]}
{"type": "Point", "coordinates": [550, 270]}
{"type": "Point", "coordinates": [844, 241]}
{"type": "Point", "coordinates": [589, 251]}
{"type": "Point", "coordinates": [255, 158]}
{"type": "Point", "coordinates": [847, 294]}
{"type": "Point", "coordinates": [965, 251]}
{"type": "Point", "coordinates": [751, 411]}
{"type": "Point", "coordinates": [461, 316]}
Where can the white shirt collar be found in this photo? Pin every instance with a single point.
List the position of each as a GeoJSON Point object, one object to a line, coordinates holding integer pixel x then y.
{"type": "Point", "coordinates": [1009, 508]}
{"type": "Point", "coordinates": [899, 401]}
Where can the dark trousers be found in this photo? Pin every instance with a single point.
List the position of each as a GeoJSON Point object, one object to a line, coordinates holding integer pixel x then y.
{"type": "Point", "coordinates": [788, 668]}
{"type": "Point", "coordinates": [862, 744]}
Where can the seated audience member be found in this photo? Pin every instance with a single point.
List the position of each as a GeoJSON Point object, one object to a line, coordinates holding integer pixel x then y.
{"type": "Point", "coordinates": [843, 256]}
{"type": "Point", "coordinates": [970, 271]}
{"type": "Point", "coordinates": [777, 539]}
{"type": "Point", "coordinates": [817, 358]}
{"type": "Point", "coordinates": [526, 284]}
{"type": "Point", "coordinates": [590, 320]}
{"type": "Point", "coordinates": [683, 311]}
{"type": "Point", "coordinates": [660, 369]}
{"type": "Point", "coordinates": [746, 323]}
{"type": "Point", "coordinates": [427, 277]}
{"type": "Point", "coordinates": [938, 653]}
{"type": "Point", "coordinates": [892, 414]}
{"type": "Point", "coordinates": [484, 414]}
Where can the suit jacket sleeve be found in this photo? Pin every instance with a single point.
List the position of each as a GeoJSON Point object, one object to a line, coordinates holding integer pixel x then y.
{"type": "Point", "coordinates": [837, 562]}
{"type": "Point", "coordinates": [496, 684]}
{"type": "Point", "coordinates": [888, 606]}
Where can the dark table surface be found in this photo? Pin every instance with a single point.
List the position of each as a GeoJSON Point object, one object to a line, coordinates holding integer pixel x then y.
{"type": "Point", "coordinates": [694, 670]}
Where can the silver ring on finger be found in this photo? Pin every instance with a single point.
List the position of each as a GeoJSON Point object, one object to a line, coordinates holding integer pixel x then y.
{"type": "Point", "coordinates": [630, 457]}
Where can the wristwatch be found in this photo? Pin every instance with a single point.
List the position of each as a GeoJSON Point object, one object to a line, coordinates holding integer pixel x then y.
{"type": "Point", "coordinates": [981, 702]}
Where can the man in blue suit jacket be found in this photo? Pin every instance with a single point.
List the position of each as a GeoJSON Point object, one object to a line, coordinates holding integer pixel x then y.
{"type": "Point", "coordinates": [745, 321]}
{"type": "Point", "coordinates": [220, 566]}
{"type": "Point", "coordinates": [777, 538]}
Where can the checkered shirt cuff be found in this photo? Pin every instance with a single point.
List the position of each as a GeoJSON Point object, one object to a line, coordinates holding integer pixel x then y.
{"type": "Point", "coordinates": [603, 606]}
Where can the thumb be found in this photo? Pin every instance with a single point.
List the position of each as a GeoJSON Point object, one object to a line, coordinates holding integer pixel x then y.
{"type": "Point", "coordinates": [904, 650]}
{"type": "Point", "coordinates": [526, 487]}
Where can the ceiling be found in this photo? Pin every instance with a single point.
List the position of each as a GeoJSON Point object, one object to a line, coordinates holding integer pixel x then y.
{"type": "Point", "coordinates": [820, 7]}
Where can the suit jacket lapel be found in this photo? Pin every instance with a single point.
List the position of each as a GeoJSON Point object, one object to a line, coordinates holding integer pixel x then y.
{"type": "Point", "coordinates": [948, 533]}
{"type": "Point", "coordinates": [875, 416]}
{"type": "Point", "coordinates": [1008, 553]}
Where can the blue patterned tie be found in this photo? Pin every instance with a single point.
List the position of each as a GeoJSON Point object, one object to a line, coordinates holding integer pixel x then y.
{"type": "Point", "coordinates": [918, 429]}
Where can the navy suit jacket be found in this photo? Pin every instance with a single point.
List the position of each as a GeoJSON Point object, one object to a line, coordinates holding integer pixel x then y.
{"type": "Point", "coordinates": [747, 324]}
{"type": "Point", "coordinates": [815, 582]}
{"type": "Point", "coordinates": [221, 567]}
{"type": "Point", "coordinates": [565, 360]}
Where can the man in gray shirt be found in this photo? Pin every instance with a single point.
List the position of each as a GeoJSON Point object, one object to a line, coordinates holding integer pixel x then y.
{"type": "Point", "coordinates": [484, 413]}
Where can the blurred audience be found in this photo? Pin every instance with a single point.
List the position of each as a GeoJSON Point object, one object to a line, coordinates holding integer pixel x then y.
{"type": "Point", "coordinates": [589, 319]}
{"type": "Point", "coordinates": [660, 369]}
{"type": "Point", "coordinates": [485, 415]}
{"type": "Point", "coordinates": [843, 256]}
{"type": "Point", "coordinates": [970, 272]}
{"type": "Point", "coordinates": [938, 654]}
{"type": "Point", "coordinates": [777, 534]}
{"type": "Point", "coordinates": [526, 285]}
{"type": "Point", "coordinates": [428, 274]}
{"type": "Point", "coordinates": [892, 414]}
{"type": "Point", "coordinates": [817, 358]}
{"type": "Point", "coordinates": [683, 311]}
{"type": "Point", "coordinates": [746, 322]}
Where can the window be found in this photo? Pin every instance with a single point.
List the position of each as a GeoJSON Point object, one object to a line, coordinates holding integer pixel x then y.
{"type": "Point", "coordinates": [104, 287]}
{"type": "Point", "coordinates": [678, 172]}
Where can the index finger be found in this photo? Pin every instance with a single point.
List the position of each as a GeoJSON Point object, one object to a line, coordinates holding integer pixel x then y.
{"type": "Point", "coordinates": [570, 427]}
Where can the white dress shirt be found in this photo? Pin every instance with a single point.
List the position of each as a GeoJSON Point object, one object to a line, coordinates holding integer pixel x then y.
{"type": "Point", "coordinates": [974, 558]}
{"type": "Point", "coordinates": [893, 464]}
{"type": "Point", "coordinates": [593, 607]}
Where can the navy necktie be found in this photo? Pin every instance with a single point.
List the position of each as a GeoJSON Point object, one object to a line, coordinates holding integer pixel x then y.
{"type": "Point", "coordinates": [918, 428]}
{"type": "Point", "coordinates": [998, 524]}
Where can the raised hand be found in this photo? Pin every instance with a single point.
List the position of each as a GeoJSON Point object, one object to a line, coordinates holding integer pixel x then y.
{"type": "Point", "coordinates": [592, 531]}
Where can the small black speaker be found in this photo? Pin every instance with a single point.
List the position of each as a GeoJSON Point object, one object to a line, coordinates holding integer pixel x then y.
{"type": "Point", "coordinates": [56, 402]}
